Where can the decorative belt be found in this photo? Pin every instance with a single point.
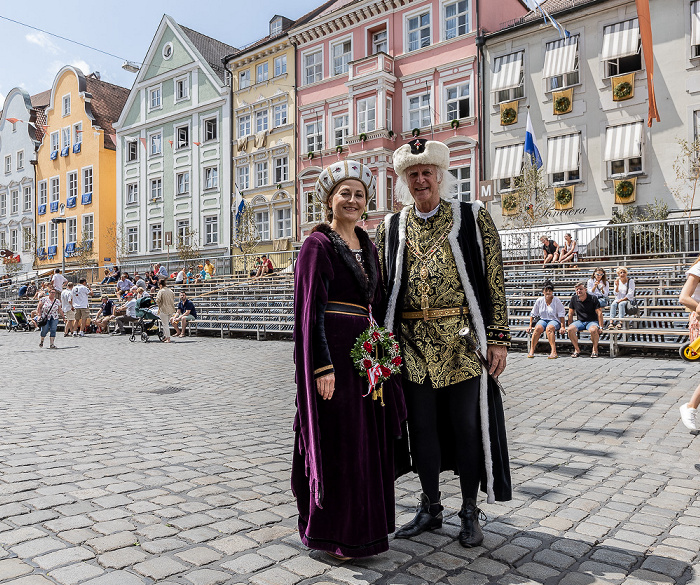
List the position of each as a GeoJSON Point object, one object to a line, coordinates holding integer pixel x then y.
{"type": "Point", "coordinates": [346, 309]}
{"type": "Point", "coordinates": [429, 314]}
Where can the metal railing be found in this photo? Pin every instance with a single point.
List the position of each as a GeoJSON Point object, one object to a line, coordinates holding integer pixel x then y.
{"type": "Point", "coordinates": [670, 239]}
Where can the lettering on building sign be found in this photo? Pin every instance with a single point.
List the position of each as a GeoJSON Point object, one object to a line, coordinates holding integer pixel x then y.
{"type": "Point", "coordinates": [565, 212]}
{"type": "Point", "coordinates": [486, 191]}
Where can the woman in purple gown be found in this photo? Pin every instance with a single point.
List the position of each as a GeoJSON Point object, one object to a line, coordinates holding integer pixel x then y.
{"type": "Point", "coordinates": [343, 468]}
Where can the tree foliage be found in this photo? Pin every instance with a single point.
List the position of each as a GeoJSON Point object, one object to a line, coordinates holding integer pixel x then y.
{"type": "Point", "coordinates": [535, 200]}
{"type": "Point", "coordinates": [686, 168]}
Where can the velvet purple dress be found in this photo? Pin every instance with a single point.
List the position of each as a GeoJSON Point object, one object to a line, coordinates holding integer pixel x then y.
{"type": "Point", "coordinates": [343, 464]}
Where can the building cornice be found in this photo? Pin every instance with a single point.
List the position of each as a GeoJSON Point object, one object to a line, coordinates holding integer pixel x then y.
{"type": "Point", "coordinates": [275, 46]}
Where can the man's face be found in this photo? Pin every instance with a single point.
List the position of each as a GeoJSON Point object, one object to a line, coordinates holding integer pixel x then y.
{"type": "Point", "coordinates": [423, 183]}
{"type": "Point", "coordinates": [581, 292]}
{"type": "Point", "coordinates": [183, 297]}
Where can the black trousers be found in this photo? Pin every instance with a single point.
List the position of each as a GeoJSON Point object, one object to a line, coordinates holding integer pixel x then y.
{"type": "Point", "coordinates": [430, 409]}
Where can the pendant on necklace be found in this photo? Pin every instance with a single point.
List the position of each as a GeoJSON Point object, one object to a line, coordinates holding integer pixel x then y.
{"type": "Point", "coordinates": [424, 272]}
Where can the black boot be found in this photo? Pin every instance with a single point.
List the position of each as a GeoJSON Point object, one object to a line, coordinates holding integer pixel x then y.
{"type": "Point", "coordinates": [428, 517]}
{"type": "Point", "coordinates": [470, 534]}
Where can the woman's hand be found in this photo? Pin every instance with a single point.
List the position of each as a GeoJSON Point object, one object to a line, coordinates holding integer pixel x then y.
{"type": "Point", "coordinates": [326, 386]}
{"type": "Point", "coordinates": [528, 330]}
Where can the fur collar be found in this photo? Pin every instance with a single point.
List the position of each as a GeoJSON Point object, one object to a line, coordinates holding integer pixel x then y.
{"type": "Point", "coordinates": [367, 282]}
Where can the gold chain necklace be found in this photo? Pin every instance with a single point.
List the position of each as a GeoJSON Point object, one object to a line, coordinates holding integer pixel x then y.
{"type": "Point", "coordinates": [422, 258]}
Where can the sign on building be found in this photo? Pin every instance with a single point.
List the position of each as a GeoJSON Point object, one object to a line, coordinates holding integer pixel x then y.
{"type": "Point", "coordinates": [486, 190]}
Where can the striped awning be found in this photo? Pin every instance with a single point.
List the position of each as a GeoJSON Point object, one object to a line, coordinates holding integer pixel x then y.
{"type": "Point", "coordinates": [506, 71]}
{"type": "Point", "coordinates": [624, 141]}
{"type": "Point", "coordinates": [621, 39]}
{"type": "Point", "coordinates": [695, 23]}
{"type": "Point", "coordinates": [560, 57]}
{"type": "Point", "coordinates": [508, 161]}
{"type": "Point", "coordinates": [563, 153]}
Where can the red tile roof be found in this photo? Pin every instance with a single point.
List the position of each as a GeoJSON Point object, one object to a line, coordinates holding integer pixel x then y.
{"type": "Point", "coordinates": [107, 103]}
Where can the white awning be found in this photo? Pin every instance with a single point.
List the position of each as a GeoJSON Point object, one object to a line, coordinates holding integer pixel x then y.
{"type": "Point", "coordinates": [623, 141]}
{"type": "Point", "coordinates": [506, 71]}
{"type": "Point", "coordinates": [621, 40]}
{"type": "Point", "coordinates": [560, 57]}
{"type": "Point", "coordinates": [508, 161]}
{"type": "Point", "coordinates": [695, 23]}
{"type": "Point", "coordinates": [563, 153]}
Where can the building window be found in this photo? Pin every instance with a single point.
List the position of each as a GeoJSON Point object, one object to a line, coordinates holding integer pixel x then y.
{"type": "Point", "coordinates": [261, 173]}
{"type": "Point", "coordinates": [211, 178]}
{"type": "Point", "coordinates": [456, 19]}
{"type": "Point", "coordinates": [132, 240]}
{"type": "Point", "coordinates": [20, 160]}
{"type": "Point", "coordinates": [312, 208]}
{"type": "Point", "coordinates": [3, 204]}
{"type": "Point", "coordinates": [695, 28]}
{"type": "Point", "coordinates": [156, 236]}
{"type": "Point", "coordinates": [65, 109]}
{"type": "Point", "coordinates": [27, 239]}
{"type": "Point", "coordinates": [507, 165]}
{"type": "Point", "coordinates": [314, 136]}
{"type": "Point", "coordinates": [418, 31]}
{"type": "Point", "coordinates": [182, 134]}
{"type": "Point", "coordinates": [182, 88]}
{"type": "Point", "coordinates": [27, 199]}
{"type": "Point", "coordinates": [8, 164]}
{"type": "Point", "coordinates": [211, 129]}
{"type": "Point", "coordinates": [243, 125]}
{"type": "Point", "coordinates": [261, 121]}
{"type": "Point", "coordinates": [14, 202]}
{"type": "Point", "coordinates": [281, 169]}
{"type": "Point", "coordinates": [379, 42]}
{"type": "Point", "coordinates": [41, 237]}
{"type": "Point", "coordinates": [341, 129]}
{"type": "Point", "coordinates": [53, 234]}
{"type": "Point", "coordinates": [622, 48]}
{"type": "Point", "coordinates": [54, 142]}
{"type": "Point", "coordinates": [388, 114]}
{"type": "Point", "coordinates": [73, 184]}
{"type": "Point", "coordinates": [156, 189]}
{"type": "Point", "coordinates": [87, 180]}
{"type": "Point", "coordinates": [508, 78]}
{"type": "Point", "coordinates": [283, 220]}
{"type": "Point", "coordinates": [132, 150]}
{"type": "Point", "coordinates": [65, 138]}
{"type": "Point", "coordinates": [243, 178]}
{"type": "Point", "coordinates": [132, 193]}
{"type": "Point", "coordinates": [183, 232]}
{"type": "Point", "coordinates": [156, 144]}
{"type": "Point", "coordinates": [419, 111]}
{"type": "Point", "coordinates": [280, 65]}
{"type": "Point", "coordinates": [3, 245]}
{"type": "Point", "coordinates": [457, 101]}
{"type": "Point", "coordinates": [244, 79]}
{"type": "Point", "coordinates": [42, 193]}
{"type": "Point", "coordinates": [563, 159]}
{"type": "Point", "coordinates": [55, 189]}
{"type": "Point", "coordinates": [261, 72]}
{"type": "Point", "coordinates": [561, 63]}
{"type": "Point", "coordinates": [280, 115]}
{"type": "Point", "coordinates": [313, 67]}
{"type": "Point", "coordinates": [154, 101]}
{"type": "Point", "coordinates": [77, 133]}
{"type": "Point", "coordinates": [182, 183]}
{"type": "Point", "coordinates": [624, 152]}
{"type": "Point", "coordinates": [275, 27]}
{"type": "Point", "coordinates": [341, 55]}
{"type": "Point", "coordinates": [14, 240]}
{"type": "Point", "coordinates": [366, 115]}
{"type": "Point", "coordinates": [211, 230]}
{"type": "Point", "coordinates": [464, 182]}
{"type": "Point", "coordinates": [72, 230]}
{"type": "Point", "coordinates": [88, 227]}
{"type": "Point", "coordinates": [390, 193]}
{"type": "Point", "coordinates": [262, 223]}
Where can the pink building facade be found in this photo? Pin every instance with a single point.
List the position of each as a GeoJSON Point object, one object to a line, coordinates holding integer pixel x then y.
{"type": "Point", "coordinates": [373, 73]}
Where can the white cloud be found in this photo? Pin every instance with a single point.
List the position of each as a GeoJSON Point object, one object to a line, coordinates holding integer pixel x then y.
{"type": "Point", "coordinates": [82, 65]}
{"type": "Point", "coordinates": [43, 40]}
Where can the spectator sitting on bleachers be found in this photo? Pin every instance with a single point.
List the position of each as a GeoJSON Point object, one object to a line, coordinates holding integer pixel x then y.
{"type": "Point", "coordinates": [160, 271]}
{"type": "Point", "coordinates": [598, 286]}
{"type": "Point", "coordinates": [569, 251]}
{"type": "Point", "coordinates": [31, 290]}
{"type": "Point", "coordinates": [138, 281]}
{"type": "Point", "coordinates": [624, 295]}
{"type": "Point", "coordinates": [22, 292]}
{"type": "Point", "coordinates": [111, 275]}
{"type": "Point", "coordinates": [185, 312]}
{"type": "Point", "coordinates": [104, 315]}
{"type": "Point", "coordinates": [549, 312]}
{"type": "Point", "coordinates": [151, 281]}
{"type": "Point", "coordinates": [690, 299]}
{"type": "Point", "coordinates": [209, 268]}
{"type": "Point", "coordinates": [129, 316]}
{"type": "Point", "coordinates": [589, 316]}
{"type": "Point", "coordinates": [180, 277]}
{"type": "Point", "coordinates": [256, 266]}
{"type": "Point", "coordinates": [43, 291]}
{"type": "Point", "coordinates": [266, 267]}
{"type": "Point", "coordinates": [123, 285]}
{"type": "Point", "coordinates": [550, 250]}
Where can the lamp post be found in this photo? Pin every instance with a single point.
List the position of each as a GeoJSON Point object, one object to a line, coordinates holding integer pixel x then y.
{"type": "Point", "coordinates": [62, 220]}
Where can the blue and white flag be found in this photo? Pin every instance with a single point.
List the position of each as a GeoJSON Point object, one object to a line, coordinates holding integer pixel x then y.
{"type": "Point", "coordinates": [534, 5]}
{"type": "Point", "coordinates": [531, 145]}
{"type": "Point", "coordinates": [240, 204]}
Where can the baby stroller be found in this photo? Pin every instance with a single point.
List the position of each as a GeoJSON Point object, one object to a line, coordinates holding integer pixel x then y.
{"type": "Point", "coordinates": [17, 320]}
{"type": "Point", "coordinates": [147, 316]}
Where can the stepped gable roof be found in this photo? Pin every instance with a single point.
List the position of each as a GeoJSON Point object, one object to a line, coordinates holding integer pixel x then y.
{"type": "Point", "coordinates": [212, 50]}
{"type": "Point", "coordinates": [107, 104]}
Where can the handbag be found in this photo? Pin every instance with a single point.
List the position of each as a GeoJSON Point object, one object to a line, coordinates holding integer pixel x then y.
{"type": "Point", "coordinates": [632, 308]}
{"type": "Point", "coordinates": [45, 319]}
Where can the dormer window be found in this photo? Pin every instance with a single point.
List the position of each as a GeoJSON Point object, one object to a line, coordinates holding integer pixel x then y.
{"type": "Point", "coordinates": [276, 26]}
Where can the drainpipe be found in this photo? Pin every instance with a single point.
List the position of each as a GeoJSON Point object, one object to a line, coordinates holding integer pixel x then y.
{"type": "Point", "coordinates": [479, 41]}
{"type": "Point", "coordinates": [232, 176]}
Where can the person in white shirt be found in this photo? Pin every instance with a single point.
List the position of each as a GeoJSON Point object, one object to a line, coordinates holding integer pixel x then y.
{"type": "Point", "coordinates": [58, 280]}
{"type": "Point", "coordinates": [624, 295]}
{"type": "Point", "coordinates": [129, 317]}
{"type": "Point", "coordinates": [549, 312]}
{"type": "Point", "coordinates": [68, 312]}
{"type": "Point", "coordinates": [568, 251]}
{"type": "Point", "coordinates": [81, 300]}
{"type": "Point", "coordinates": [598, 286]}
{"type": "Point", "coordinates": [690, 299]}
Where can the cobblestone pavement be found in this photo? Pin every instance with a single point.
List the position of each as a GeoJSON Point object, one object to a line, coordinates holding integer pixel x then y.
{"type": "Point", "coordinates": [131, 463]}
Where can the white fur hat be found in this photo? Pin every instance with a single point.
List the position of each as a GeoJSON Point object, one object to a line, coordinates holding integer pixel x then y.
{"type": "Point", "coordinates": [340, 171]}
{"type": "Point", "coordinates": [421, 152]}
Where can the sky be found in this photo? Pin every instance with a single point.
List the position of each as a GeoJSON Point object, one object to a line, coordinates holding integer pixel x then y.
{"type": "Point", "coordinates": [30, 59]}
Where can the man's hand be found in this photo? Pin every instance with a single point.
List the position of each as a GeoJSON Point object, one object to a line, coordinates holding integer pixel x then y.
{"type": "Point", "coordinates": [496, 356]}
{"type": "Point", "coordinates": [326, 386]}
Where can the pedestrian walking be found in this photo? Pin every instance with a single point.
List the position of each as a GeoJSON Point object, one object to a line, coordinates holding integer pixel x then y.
{"type": "Point", "coordinates": [48, 310]}
{"type": "Point", "coordinates": [165, 299]}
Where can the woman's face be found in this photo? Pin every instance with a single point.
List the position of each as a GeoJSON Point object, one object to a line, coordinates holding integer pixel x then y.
{"type": "Point", "coordinates": [548, 294]}
{"type": "Point", "coordinates": [348, 201]}
{"type": "Point", "coordinates": [598, 274]}
{"type": "Point", "coordinates": [622, 274]}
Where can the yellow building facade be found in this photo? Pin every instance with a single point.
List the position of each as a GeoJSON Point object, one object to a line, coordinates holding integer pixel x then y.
{"type": "Point", "coordinates": [76, 172]}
